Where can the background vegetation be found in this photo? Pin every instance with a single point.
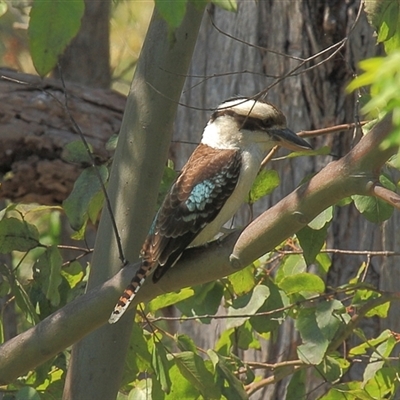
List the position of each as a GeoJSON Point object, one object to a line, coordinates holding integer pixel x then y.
{"type": "Point", "coordinates": [288, 323]}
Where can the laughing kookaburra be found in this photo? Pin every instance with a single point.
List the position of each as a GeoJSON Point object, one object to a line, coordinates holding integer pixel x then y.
{"type": "Point", "coordinates": [211, 186]}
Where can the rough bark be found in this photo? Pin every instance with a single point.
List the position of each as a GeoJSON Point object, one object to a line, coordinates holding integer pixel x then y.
{"type": "Point", "coordinates": [35, 127]}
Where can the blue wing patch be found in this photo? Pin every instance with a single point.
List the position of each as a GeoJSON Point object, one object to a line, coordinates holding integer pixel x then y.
{"type": "Point", "coordinates": [200, 196]}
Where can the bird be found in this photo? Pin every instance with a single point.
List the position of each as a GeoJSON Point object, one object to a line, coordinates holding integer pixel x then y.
{"type": "Point", "coordinates": [211, 186]}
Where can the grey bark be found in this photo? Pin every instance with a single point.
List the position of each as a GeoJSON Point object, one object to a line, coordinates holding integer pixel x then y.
{"type": "Point", "coordinates": [97, 361]}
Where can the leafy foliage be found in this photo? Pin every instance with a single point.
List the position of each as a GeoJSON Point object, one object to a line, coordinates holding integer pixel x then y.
{"type": "Point", "coordinates": [286, 284]}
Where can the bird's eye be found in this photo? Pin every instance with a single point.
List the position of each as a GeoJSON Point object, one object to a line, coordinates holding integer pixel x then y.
{"type": "Point", "coordinates": [268, 122]}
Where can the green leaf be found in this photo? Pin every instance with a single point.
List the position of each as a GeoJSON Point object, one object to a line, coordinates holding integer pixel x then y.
{"type": "Point", "coordinates": [172, 11]}
{"type": "Point", "coordinates": [143, 390]}
{"type": "Point", "coordinates": [303, 282]}
{"type": "Point", "coordinates": [75, 152]}
{"type": "Point", "coordinates": [161, 366]}
{"type": "Point", "coordinates": [332, 368]}
{"type": "Point", "coordinates": [228, 5]}
{"type": "Point", "coordinates": [276, 300]}
{"type": "Point", "coordinates": [373, 209]}
{"type": "Point", "coordinates": [85, 192]}
{"type": "Point", "coordinates": [138, 358]}
{"type": "Point", "coordinates": [324, 262]}
{"type": "Point", "coordinates": [243, 281]}
{"type": "Point", "coordinates": [377, 359]}
{"type": "Point", "coordinates": [3, 7]}
{"type": "Point", "coordinates": [247, 305]}
{"type": "Point", "coordinates": [291, 265]}
{"type": "Point", "coordinates": [168, 299]}
{"type": "Point", "coordinates": [49, 267]}
{"type": "Point", "coordinates": [186, 343]}
{"type": "Point", "coordinates": [53, 24]}
{"type": "Point", "coordinates": [193, 369]}
{"type": "Point", "coordinates": [207, 300]}
{"type": "Point", "coordinates": [347, 391]}
{"type": "Point", "coordinates": [322, 219]}
{"type": "Point", "coordinates": [17, 235]}
{"type": "Point", "coordinates": [234, 389]}
{"type": "Point", "coordinates": [312, 241]}
{"type": "Point", "coordinates": [112, 142]}
{"type": "Point", "coordinates": [27, 393]}
{"type": "Point", "coordinates": [384, 15]}
{"type": "Point", "coordinates": [384, 384]}
{"type": "Point", "coordinates": [370, 343]}
{"type": "Point", "coordinates": [181, 387]}
{"type": "Point", "coordinates": [297, 386]}
{"type": "Point", "coordinates": [317, 327]}
{"type": "Point", "coordinates": [73, 273]}
{"type": "Point", "coordinates": [321, 151]}
{"type": "Point", "coordinates": [23, 301]}
{"type": "Point", "coordinates": [167, 180]}
{"type": "Point", "coordinates": [327, 320]}
{"type": "Point", "coordinates": [314, 344]}
{"type": "Point", "coordinates": [265, 182]}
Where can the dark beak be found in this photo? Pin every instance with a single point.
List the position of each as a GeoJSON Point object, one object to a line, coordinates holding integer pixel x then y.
{"type": "Point", "coordinates": [288, 139]}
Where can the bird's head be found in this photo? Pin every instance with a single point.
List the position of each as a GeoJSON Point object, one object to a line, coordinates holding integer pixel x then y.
{"type": "Point", "coordinates": [238, 122]}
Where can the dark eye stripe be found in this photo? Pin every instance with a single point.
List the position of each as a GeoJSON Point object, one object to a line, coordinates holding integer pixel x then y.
{"type": "Point", "coordinates": [243, 121]}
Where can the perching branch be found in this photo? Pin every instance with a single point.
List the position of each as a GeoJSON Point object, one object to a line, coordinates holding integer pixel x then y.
{"type": "Point", "coordinates": [356, 173]}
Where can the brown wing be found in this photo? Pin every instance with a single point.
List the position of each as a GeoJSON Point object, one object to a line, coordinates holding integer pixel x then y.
{"type": "Point", "coordinates": [194, 200]}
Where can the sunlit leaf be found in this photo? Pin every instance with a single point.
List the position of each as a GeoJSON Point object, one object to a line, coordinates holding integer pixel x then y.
{"type": "Point", "coordinates": [228, 5]}
{"type": "Point", "coordinates": [3, 7]}
{"type": "Point", "coordinates": [291, 265]}
{"type": "Point", "coordinates": [322, 219]}
{"type": "Point", "coordinates": [303, 282]}
{"type": "Point", "coordinates": [168, 299]}
{"type": "Point", "coordinates": [172, 11]}
{"type": "Point", "coordinates": [243, 281]}
{"type": "Point", "coordinates": [265, 182]}
{"type": "Point", "coordinates": [181, 388]}
{"type": "Point", "coordinates": [377, 359]}
{"type": "Point", "coordinates": [73, 273]}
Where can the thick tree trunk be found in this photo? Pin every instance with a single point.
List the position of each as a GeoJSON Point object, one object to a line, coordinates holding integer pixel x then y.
{"type": "Point", "coordinates": [223, 67]}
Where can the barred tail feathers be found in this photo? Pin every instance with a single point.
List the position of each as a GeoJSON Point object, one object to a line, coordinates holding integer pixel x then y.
{"type": "Point", "coordinates": [131, 291]}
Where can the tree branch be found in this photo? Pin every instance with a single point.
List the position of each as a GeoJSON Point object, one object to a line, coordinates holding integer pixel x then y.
{"type": "Point", "coordinates": [355, 173]}
{"type": "Point", "coordinates": [387, 195]}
